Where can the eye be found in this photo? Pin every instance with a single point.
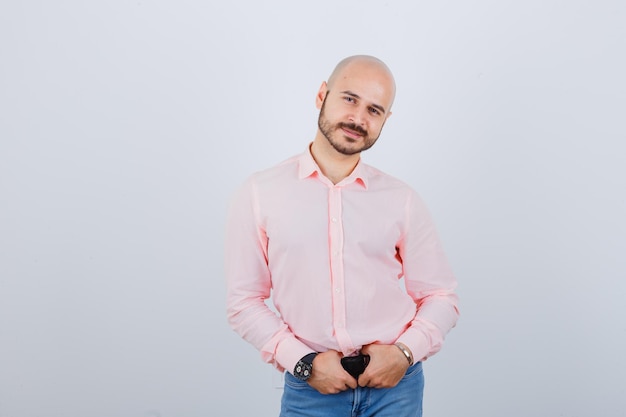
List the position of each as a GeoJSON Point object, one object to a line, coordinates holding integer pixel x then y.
{"type": "Point", "coordinates": [374, 111]}
{"type": "Point", "coordinates": [350, 99]}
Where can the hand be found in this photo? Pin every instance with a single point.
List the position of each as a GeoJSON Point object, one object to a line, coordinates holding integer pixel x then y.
{"type": "Point", "coordinates": [328, 375]}
{"type": "Point", "coordinates": [386, 368]}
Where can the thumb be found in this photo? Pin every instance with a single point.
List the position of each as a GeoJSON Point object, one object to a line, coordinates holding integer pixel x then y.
{"type": "Point", "coordinates": [367, 349]}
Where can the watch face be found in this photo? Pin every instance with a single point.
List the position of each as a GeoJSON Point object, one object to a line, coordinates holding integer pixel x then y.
{"type": "Point", "coordinates": [303, 370]}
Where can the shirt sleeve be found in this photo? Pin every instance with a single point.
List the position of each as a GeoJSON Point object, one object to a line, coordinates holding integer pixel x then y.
{"type": "Point", "coordinates": [249, 284]}
{"type": "Point", "coordinates": [429, 281]}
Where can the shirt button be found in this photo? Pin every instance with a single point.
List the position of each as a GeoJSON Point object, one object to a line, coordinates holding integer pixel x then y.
{"type": "Point", "coordinates": [337, 290]}
{"type": "Point", "coordinates": [334, 220]}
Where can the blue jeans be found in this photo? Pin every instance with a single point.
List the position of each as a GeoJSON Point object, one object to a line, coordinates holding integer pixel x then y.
{"type": "Point", "coordinates": [403, 400]}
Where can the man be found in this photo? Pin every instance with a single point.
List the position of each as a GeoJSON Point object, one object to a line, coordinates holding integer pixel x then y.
{"type": "Point", "coordinates": [329, 238]}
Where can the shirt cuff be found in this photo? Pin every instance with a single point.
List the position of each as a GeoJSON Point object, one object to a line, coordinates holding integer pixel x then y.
{"type": "Point", "coordinates": [417, 342]}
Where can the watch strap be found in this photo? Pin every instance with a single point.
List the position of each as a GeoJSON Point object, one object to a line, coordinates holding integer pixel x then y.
{"type": "Point", "coordinates": [309, 358]}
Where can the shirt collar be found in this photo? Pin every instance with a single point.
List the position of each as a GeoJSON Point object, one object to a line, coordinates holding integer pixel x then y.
{"type": "Point", "coordinates": [307, 167]}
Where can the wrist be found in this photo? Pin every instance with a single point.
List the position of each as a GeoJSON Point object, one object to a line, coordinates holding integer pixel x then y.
{"type": "Point", "coordinates": [304, 367]}
{"type": "Point", "coordinates": [406, 352]}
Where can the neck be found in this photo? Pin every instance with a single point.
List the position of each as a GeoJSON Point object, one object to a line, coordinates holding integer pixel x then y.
{"type": "Point", "coordinates": [334, 165]}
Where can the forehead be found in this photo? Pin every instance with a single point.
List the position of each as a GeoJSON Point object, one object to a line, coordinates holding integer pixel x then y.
{"type": "Point", "coordinates": [370, 82]}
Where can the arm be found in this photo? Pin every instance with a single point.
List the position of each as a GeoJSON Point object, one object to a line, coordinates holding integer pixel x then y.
{"type": "Point", "coordinates": [249, 284]}
{"type": "Point", "coordinates": [429, 281]}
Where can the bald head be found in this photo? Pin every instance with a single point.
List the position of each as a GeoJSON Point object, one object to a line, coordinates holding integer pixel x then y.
{"type": "Point", "coordinates": [354, 105]}
{"type": "Point", "coordinates": [360, 64]}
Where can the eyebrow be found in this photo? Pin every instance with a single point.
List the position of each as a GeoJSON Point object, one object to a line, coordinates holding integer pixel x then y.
{"type": "Point", "coordinates": [376, 106]}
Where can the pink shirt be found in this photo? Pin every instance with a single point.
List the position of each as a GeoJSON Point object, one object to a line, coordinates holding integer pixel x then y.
{"type": "Point", "coordinates": [332, 258]}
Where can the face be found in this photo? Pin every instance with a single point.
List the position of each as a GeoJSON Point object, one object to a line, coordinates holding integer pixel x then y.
{"type": "Point", "coordinates": [354, 108]}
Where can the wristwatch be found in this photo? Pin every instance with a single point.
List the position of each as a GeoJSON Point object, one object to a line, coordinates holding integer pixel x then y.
{"type": "Point", "coordinates": [304, 367]}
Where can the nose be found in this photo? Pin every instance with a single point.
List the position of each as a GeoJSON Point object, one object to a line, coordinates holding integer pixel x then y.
{"type": "Point", "coordinates": [359, 116]}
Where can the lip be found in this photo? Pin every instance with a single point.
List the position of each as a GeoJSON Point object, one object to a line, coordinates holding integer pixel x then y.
{"type": "Point", "coordinates": [351, 133]}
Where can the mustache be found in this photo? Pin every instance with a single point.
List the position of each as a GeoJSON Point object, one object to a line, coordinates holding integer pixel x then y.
{"type": "Point", "coordinates": [354, 127]}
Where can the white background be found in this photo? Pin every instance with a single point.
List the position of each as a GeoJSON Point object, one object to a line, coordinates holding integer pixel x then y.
{"type": "Point", "coordinates": [125, 126]}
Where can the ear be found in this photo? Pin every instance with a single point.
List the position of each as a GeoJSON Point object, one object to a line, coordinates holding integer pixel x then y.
{"type": "Point", "coordinates": [388, 116]}
{"type": "Point", "coordinates": [321, 95]}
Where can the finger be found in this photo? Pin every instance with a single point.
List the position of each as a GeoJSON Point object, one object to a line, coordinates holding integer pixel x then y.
{"type": "Point", "coordinates": [351, 382]}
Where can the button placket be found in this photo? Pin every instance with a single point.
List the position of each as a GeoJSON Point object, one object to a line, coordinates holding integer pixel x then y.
{"type": "Point", "coordinates": [336, 264]}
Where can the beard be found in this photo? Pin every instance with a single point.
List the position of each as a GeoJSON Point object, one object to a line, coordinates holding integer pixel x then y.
{"type": "Point", "coordinates": [341, 143]}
